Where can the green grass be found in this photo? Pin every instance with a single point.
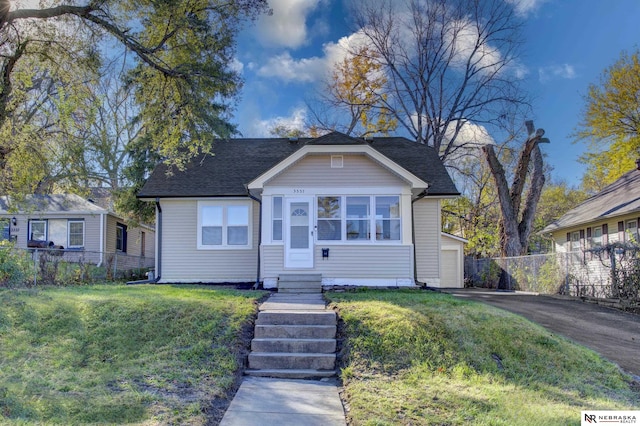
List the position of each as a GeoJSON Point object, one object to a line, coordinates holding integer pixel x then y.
{"type": "Point", "coordinates": [420, 358]}
{"type": "Point", "coordinates": [120, 354]}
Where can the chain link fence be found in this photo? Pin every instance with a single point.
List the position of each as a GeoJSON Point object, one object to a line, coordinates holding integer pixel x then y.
{"type": "Point", "coordinates": [31, 267]}
{"type": "Point", "coordinates": [607, 272]}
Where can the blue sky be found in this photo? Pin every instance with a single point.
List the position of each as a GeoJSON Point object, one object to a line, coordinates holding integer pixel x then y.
{"type": "Point", "coordinates": [567, 46]}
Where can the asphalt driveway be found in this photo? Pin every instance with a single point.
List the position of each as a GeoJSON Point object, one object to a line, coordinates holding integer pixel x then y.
{"type": "Point", "coordinates": [612, 333]}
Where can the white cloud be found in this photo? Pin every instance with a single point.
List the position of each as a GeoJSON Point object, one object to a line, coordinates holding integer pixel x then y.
{"type": "Point", "coordinates": [524, 7]}
{"type": "Point", "coordinates": [236, 65]}
{"type": "Point", "coordinates": [287, 68]}
{"type": "Point", "coordinates": [287, 26]}
{"type": "Point", "coordinates": [295, 121]}
{"type": "Point", "coordinates": [564, 71]}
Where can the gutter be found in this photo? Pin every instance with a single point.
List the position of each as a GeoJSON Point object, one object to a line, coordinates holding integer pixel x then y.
{"type": "Point", "coordinates": [159, 241]}
{"type": "Point", "coordinates": [413, 235]}
{"type": "Point", "coordinates": [102, 245]}
{"type": "Point", "coordinates": [257, 200]}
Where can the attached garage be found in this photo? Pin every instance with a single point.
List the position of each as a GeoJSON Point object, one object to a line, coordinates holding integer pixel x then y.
{"type": "Point", "coordinates": [452, 261]}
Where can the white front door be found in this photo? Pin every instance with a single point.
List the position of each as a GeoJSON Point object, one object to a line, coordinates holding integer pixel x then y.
{"type": "Point", "coordinates": [298, 247]}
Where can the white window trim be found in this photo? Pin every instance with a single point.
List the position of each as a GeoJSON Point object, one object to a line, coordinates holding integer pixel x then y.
{"type": "Point", "coordinates": [372, 221]}
{"type": "Point", "coordinates": [274, 218]}
{"type": "Point", "coordinates": [596, 241]}
{"type": "Point", "coordinates": [573, 242]}
{"type": "Point", "coordinates": [629, 235]}
{"type": "Point", "coordinates": [224, 204]}
{"type": "Point", "coordinates": [69, 234]}
{"type": "Point", "coordinates": [46, 228]}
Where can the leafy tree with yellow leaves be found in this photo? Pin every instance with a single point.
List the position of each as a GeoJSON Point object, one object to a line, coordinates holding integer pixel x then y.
{"type": "Point", "coordinates": [611, 123]}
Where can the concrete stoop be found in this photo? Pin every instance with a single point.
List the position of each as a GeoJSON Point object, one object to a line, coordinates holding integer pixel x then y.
{"type": "Point", "coordinates": [294, 338]}
{"type": "Point", "coordinates": [300, 283]}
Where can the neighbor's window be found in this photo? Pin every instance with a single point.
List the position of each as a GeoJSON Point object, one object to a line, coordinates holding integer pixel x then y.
{"type": "Point", "coordinates": [38, 230]}
{"type": "Point", "coordinates": [631, 231]}
{"type": "Point", "coordinates": [276, 231]}
{"type": "Point", "coordinates": [596, 238]}
{"type": "Point", "coordinates": [76, 233]}
{"type": "Point", "coordinates": [575, 241]}
{"type": "Point", "coordinates": [329, 218]}
{"type": "Point", "coordinates": [223, 225]}
{"type": "Point", "coordinates": [121, 237]}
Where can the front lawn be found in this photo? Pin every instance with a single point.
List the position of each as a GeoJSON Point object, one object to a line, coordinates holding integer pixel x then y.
{"type": "Point", "coordinates": [422, 358]}
{"type": "Point", "coordinates": [116, 354]}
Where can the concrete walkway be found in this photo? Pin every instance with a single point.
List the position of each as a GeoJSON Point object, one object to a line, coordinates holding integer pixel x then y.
{"type": "Point", "coordinates": [285, 402]}
{"type": "Point", "coordinates": [268, 401]}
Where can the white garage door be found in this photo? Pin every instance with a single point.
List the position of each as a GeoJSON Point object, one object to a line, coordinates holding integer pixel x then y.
{"type": "Point", "coordinates": [450, 272]}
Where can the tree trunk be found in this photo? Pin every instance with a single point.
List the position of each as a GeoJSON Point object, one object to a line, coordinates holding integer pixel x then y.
{"type": "Point", "coordinates": [515, 226]}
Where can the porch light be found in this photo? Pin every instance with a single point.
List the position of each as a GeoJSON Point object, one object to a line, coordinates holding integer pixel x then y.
{"type": "Point", "coordinates": [14, 221]}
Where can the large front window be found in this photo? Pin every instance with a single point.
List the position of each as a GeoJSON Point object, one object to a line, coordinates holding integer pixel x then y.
{"type": "Point", "coordinates": [223, 225]}
{"type": "Point", "coordinates": [359, 218]}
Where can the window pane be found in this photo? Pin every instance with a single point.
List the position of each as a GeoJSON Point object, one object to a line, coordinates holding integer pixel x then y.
{"type": "Point", "coordinates": [76, 234]}
{"type": "Point", "coordinates": [212, 235]}
{"type": "Point", "coordinates": [299, 237]}
{"type": "Point", "coordinates": [277, 207]}
{"type": "Point", "coordinates": [329, 229]}
{"type": "Point", "coordinates": [38, 231]}
{"type": "Point", "coordinates": [237, 215]}
{"type": "Point", "coordinates": [211, 216]}
{"type": "Point", "coordinates": [329, 207]}
{"type": "Point", "coordinates": [238, 235]}
{"type": "Point", "coordinates": [387, 207]}
{"type": "Point", "coordinates": [388, 230]}
{"type": "Point", "coordinates": [358, 207]}
{"type": "Point", "coordinates": [277, 230]}
{"type": "Point", "coordinates": [358, 230]}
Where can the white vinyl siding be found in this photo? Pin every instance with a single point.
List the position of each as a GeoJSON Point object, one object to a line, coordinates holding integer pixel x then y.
{"type": "Point", "coordinates": [316, 171]}
{"type": "Point", "coordinates": [183, 262]}
{"type": "Point", "coordinates": [426, 213]}
{"type": "Point", "coordinates": [344, 261]}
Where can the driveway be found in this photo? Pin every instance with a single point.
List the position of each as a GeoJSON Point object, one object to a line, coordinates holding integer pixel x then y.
{"type": "Point", "coordinates": [612, 333]}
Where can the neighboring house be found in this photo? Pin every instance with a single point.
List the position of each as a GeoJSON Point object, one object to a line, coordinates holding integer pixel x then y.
{"type": "Point", "coordinates": [355, 211]}
{"type": "Point", "coordinates": [75, 224]}
{"type": "Point", "coordinates": [612, 215]}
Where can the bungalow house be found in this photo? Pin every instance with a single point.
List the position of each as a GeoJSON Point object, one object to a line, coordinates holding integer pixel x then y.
{"type": "Point", "coordinates": [349, 211]}
{"type": "Point", "coordinates": [77, 225]}
{"type": "Point", "coordinates": [610, 216]}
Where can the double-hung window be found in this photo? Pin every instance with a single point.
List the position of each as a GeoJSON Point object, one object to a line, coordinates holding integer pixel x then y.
{"type": "Point", "coordinates": [276, 230]}
{"type": "Point", "coordinates": [121, 237]}
{"type": "Point", "coordinates": [359, 218]}
{"type": "Point", "coordinates": [631, 228]}
{"type": "Point", "coordinates": [596, 238]}
{"type": "Point", "coordinates": [223, 225]}
{"type": "Point", "coordinates": [38, 230]}
{"type": "Point", "coordinates": [75, 236]}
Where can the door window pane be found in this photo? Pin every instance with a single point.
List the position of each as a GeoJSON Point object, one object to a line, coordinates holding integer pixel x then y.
{"type": "Point", "coordinates": [299, 225]}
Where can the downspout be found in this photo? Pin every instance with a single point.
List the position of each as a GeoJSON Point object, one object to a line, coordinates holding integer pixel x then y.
{"type": "Point", "coordinates": [102, 246]}
{"type": "Point", "coordinates": [413, 234]}
{"type": "Point", "coordinates": [159, 241]}
{"type": "Point", "coordinates": [257, 284]}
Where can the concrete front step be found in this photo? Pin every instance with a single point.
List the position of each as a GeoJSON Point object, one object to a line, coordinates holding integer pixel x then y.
{"type": "Point", "coordinates": [291, 373]}
{"type": "Point", "coordinates": [289, 361]}
{"type": "Point", "coordinates": [295, 331]}
{"type": "Point", "coordinates": [300, 283]}
{"type": "Point", "coordinates": [287, 317]}
{"type": "Point", "coordinates": [326, 346]}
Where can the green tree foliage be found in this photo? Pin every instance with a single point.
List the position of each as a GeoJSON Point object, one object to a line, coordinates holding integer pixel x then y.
{"type": "Point", "coordinates": [611, 123]}
{"type": "Point", "coordinates": [181, 75]}
{"type": "Point", "coordinates": [556, 199]}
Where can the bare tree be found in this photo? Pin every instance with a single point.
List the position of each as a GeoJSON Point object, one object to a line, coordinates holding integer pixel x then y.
{"type": "Point", "coordinates": [449, 64]}
{"type": "Point", "coordinates": [517, 219]}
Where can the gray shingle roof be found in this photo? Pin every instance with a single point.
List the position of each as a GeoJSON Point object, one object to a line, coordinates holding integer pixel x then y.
{"type": "Point", "coordinates": [52, 203]}
{"type": "Point", "coordinates": [620, 198]}
{"type": "Point", "coordinates": [236, 162]}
